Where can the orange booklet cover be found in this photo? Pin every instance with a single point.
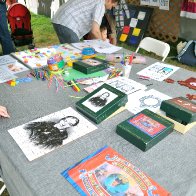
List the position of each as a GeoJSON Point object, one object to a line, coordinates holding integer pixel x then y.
{"type": "Point", "coordinates": [106, 172]}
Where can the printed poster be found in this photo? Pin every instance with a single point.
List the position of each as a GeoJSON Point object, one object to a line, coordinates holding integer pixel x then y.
{"type": "Point", "coordinates": [145, 100]}
{"type": "Point", "coordinates": [106, 172]}
{"type": "Point", "coordinates": [43, 135]}
{"type": "Point", "coordinates": [158, 71]}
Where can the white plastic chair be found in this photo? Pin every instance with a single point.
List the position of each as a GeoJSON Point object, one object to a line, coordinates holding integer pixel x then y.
{"type": "Point", "coordinates": [158, 47]}
{"type": "Point", "coordinates": [3, 187]}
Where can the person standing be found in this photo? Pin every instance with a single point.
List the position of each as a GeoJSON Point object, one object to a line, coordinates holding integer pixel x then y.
{"type": "Point", "coordinates": [5, 38]}
{"type": "Point", "coordinates": [75, 18]}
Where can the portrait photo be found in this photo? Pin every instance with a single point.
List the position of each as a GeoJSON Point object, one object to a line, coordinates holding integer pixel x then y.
{"type": "Point", "coordinates": [99, 100]}
{"type": "Point", "coordinates": [45, 134]}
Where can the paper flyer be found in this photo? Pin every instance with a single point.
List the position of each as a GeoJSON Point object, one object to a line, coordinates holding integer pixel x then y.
{"type": "Point", "coordinates": [158, 71]}
{"type": "Point", "coordinates": [145, 100]}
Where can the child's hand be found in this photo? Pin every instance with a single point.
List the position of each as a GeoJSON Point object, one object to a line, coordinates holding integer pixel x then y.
{"type": "Point", "coordinates": [3, 112]}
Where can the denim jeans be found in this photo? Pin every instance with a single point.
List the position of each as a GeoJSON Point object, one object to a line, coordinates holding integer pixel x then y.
{"type": "Point", "coordinates": [65, 34]}
{"type": "Point", "coordinates": [5, 38]}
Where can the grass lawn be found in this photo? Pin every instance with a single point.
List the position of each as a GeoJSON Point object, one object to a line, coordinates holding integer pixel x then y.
{"type": "Point", "coordinates": [44, 35]}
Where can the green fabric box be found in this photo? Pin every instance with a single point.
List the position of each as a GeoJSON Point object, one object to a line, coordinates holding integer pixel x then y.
{"type": "Point", "coordinates": [145, 129]}
{"type": "Point", "coordinates": [89, 66]}
{"type": "Point", "coordinates": [180, 109]}
{"type": "Point", "coordinates": [101, 103]}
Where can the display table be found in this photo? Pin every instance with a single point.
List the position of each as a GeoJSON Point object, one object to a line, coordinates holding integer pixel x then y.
{"type": "Point", "coordinates": [171, 163]}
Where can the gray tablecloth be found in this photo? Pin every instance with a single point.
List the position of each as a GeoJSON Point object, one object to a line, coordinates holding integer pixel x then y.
{"type": "Point", "coordinates": [171, 163]}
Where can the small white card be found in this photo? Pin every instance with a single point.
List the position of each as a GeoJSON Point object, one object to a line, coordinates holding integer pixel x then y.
{"type": "Point", "coordinates": [133, 22]}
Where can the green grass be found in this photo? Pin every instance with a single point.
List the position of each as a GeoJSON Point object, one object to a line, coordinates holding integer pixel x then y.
{"type": "Point", "coordinates": [44, 35]}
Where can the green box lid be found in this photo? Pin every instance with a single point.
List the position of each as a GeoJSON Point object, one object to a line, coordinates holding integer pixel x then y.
{"type": "Point", "coordinates": [89, 66]}
{"type": "Point", "coordinates": [101, 103]}
{"type": "Point", "coordinates": [180, 109]}
{"type": "Point", "coordinates": [145, 129]}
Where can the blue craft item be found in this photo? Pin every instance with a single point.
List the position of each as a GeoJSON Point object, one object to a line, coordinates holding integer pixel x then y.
{"type": "Point", "coordinates": [24, 79]}
{"type": "Point", "coordinates": [133, 40]}
{"type": "Point", "coordinates": [88, 51]}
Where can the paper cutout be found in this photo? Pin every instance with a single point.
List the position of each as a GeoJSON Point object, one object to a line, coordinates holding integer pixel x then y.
{"type": "Point", "coordinates": [123, 37]}
{"type": "Point", "coordinates": [126, 29]}
{"type": "Point", "coordinates": [136, 31]}
{"type": "Point", "coordinates": [133, 40]}
{"type": "Point", "coordinates": [133, 22]}
{"type": "Point", "coordinates": [141, 15]}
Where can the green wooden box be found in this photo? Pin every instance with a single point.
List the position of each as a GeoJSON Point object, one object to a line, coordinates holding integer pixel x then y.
{"type": "Point", "coordinates": [180, 109]}
{"type": "Point", "coordinates": [101, 103]}
{"type": "Point", "coordinates": [145, 129]}
{"type": "Point", "coordinates": [89, 66]}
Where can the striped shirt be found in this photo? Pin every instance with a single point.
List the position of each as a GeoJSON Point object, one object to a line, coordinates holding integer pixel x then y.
{"type": "Point", "coordinates": [78, 15]}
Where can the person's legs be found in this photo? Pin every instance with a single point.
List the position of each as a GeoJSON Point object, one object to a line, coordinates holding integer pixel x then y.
{"type": "Point", "coordinates": [5, 38]}
{"type": "Point", "coordinates": [65, 34]}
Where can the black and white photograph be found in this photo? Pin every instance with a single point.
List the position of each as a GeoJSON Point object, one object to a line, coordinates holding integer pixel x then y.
{"type": "Point", "coordinates": [99, 100]}
{"type": "Point", "coordinates": [45, 134]}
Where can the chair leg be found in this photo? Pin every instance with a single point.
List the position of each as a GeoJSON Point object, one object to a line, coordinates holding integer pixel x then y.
{"type": "Point", "coordinates": [3, 187]}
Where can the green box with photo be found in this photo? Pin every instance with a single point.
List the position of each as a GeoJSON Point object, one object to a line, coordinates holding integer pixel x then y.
{"type": "Point", "coordinates": [180, 109]}
{"type": "Point", "coordinates": [101, 103]}
{"type": "Point", "coordinates": [89, 66]}
{"type": "Point", "coordinates": [145, 129]}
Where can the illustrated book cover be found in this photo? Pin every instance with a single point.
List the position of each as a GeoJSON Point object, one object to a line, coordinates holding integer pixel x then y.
{"type": "Point", "coordinates": [106, 172]}
{"type": "Point", "coordinates": [45, 134]}
{"type": "Point", "coordinates": [101, 103]}
{"type": "Point", "coordinates": [145, 129]}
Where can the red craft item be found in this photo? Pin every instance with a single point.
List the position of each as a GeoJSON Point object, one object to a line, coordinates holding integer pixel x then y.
{"type": "Point", "coordinates": [169, 80]}
{"type": "Point", "coordinates": [191, 97]}
{"type": "Point", "coordinates": [190, 83]}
